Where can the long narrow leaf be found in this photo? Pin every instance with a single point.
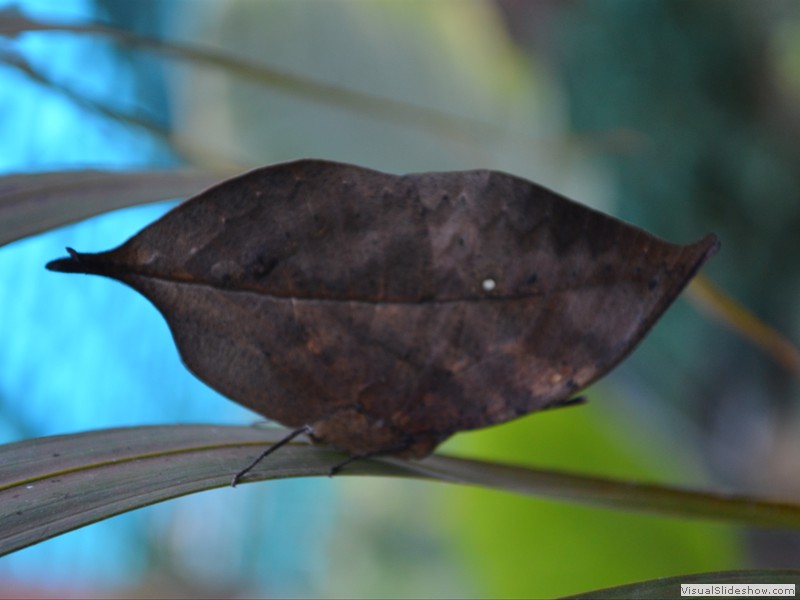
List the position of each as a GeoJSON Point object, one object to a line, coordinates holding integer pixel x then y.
{"type": "Point", "coordinates": [18, 61]}
{"type": "Point", "coordinates": [717, 303]}
{"type": "Point", "coordinates": [670, 587]}
{"type": "Point", "coordinates": [13, 22]}
{"type": "Point", "coordinates": [36, 202]}
{"type": "Point", "coordinates": [52, 485]}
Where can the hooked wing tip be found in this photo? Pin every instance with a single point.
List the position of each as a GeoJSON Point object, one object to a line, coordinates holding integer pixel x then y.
{"type": "Point", "coordinates": [70, 264]}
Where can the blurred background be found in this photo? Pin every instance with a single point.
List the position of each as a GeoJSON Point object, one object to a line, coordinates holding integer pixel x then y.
{"type": "Point", "coordinates": [678, 116]}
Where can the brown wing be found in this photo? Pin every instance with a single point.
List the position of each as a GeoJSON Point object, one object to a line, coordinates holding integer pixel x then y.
{"type": "Point", "coordinates": [392, 311]}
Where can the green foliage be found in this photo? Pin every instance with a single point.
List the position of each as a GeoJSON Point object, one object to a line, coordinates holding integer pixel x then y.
{"type": "Point", "coordinates": [520, 549]}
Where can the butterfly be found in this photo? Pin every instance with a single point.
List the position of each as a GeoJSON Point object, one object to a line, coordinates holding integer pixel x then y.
{"type": "Point", "coordinates": [381, 314]}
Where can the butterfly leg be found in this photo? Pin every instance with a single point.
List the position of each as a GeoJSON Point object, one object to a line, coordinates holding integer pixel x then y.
{"type": "Point", "coordinates": [384, 452]}
{"type": "Point", "coordinates": [305, 429]}
{"type": "Point", "coordinates": [339, 466]}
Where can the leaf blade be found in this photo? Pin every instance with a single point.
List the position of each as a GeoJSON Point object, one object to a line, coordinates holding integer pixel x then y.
{"type": "Point", "coordinates": [14, 22]}
{"type": "Point", "coordinates": [31, 203]}
{"type": "Point", "coordinates": [52, 485]}
{"type": "Point", "coordinates": [670, 587]}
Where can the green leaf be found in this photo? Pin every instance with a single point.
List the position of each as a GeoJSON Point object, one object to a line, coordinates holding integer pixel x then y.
{"type": "Point", "coordinates": [52, 485]}
{"type": "Point", "coordinates": [31, 203]}
{"type": "Point", "coordinates": [670, 587]}
{"type": "Point", "coordinates": [569, 548]}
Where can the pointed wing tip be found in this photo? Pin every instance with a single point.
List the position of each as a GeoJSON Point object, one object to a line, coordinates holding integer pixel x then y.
{"type": "Point", "coordinates": [709, 245]}
{"type": "Point", "coordinates": [712, 243]}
